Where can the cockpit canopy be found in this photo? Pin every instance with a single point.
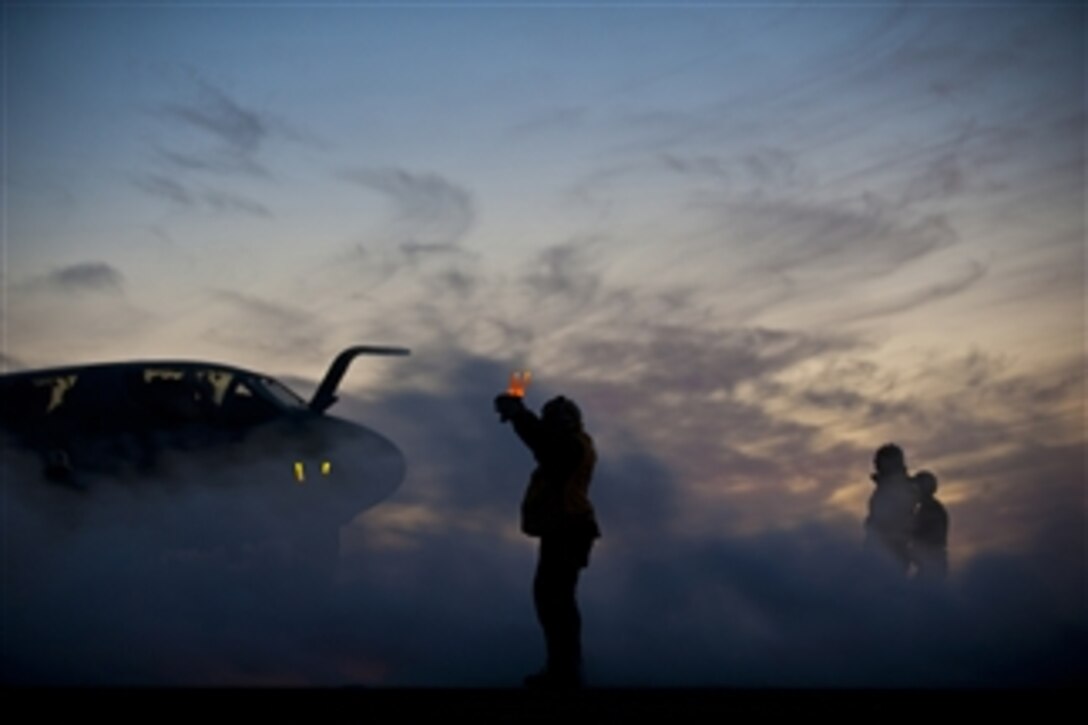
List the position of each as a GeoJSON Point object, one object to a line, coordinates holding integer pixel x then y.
{"type": "Point", "coordinates": [144, 395]}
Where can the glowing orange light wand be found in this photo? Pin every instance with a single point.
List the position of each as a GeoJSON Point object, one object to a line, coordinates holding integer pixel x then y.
{"type": "Point", "coordinates": [519, 380]}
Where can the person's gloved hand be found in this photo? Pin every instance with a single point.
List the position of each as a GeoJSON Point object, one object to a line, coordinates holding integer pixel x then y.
{"type": "Point", "coordinates": [507, 406]}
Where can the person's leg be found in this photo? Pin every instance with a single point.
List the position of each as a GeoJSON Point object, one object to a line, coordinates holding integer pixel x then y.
{"type": "Point", "coordinates": [554, 593]}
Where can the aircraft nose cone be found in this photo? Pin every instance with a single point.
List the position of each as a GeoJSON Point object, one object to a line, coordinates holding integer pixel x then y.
{"type": "Point", "coordinates": [351, 466]}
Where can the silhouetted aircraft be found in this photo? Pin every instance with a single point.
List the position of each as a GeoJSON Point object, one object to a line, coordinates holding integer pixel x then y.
{"type": "Point", "coordinates": [148, 428]}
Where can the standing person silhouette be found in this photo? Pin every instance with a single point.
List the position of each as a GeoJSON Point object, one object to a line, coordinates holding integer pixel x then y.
{"type": "Point", "coordinates": [929, 548]}
{"type": "Point", "coordinates": [890, 524]}
{"type": "Point", "coordinates": [556, 509]}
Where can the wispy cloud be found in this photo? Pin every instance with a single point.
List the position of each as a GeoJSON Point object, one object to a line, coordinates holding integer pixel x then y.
{"type": "Point", "coordinates": [203, 198]}
{"type": "Point", "coordinates": [77, 310]}
{"type": "Point", "coordinates": [869, 239]}
{"type": "Point", "coordinates": [262, 325]}
{"type": "Point", "coordinates": [554, 120]}
{"type": "Point", "coordinates": [565, 270]}
{"type": "Point", "coordinates": [966, 278]}
{"type": "Point", "coordinates": [237, 128]}
{"type": "Point", "coordinates": [210, 130]}
{"type": "Point", "coordinates": [212, 135]}
{"type": "Point", "coordinates": [98, 277]}
{"type": "Point", "coordinates": [227, 202]}
{"type": "Point", "coordinates": [223, 162]}
{"type": "Point", "coordinates": [164, 188]}
{"type": "Point", "coordinates": [771, 167]}
{"type": "Point", "coordinates": [430, 212]}
{"type": "Point", "coordinates": [705, 165]}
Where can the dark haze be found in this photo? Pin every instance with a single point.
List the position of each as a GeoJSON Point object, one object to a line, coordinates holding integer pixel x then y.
{"type": "Point", "coordinates": [433, 585]}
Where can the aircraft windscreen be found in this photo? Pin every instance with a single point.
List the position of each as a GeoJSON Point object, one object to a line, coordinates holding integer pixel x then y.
{"type": "Point", "coordinates": [284, 395]}
{"type": "Point", "coordinates": [214, 395]}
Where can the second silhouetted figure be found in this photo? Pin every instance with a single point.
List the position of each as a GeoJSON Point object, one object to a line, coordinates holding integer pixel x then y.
{"type": "Point", "coordinates": [929, 547]}
{"type": "Point", "coordinates": [556, 509]}
{"type": "Point", "coordinates": [890, 524]}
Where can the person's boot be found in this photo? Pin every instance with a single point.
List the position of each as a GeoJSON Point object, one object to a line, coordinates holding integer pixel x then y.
{"type": "Point", "coordinates": [568, 677]}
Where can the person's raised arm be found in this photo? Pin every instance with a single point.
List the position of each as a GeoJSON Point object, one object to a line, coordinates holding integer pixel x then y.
{"type": "Point", "coordinates": [511, 408]}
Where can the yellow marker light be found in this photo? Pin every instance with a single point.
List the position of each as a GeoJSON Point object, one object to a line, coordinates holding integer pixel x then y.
{"type": "Point", "coordinates": [326, 468]}
{"type": "Point", "coordinates": [300, 473]}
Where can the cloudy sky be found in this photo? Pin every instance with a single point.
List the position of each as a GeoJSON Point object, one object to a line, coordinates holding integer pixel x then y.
{"type": "Point", "coordinates": [754, 242]}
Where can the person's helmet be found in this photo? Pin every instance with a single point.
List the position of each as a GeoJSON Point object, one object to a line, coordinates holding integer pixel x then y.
{"type": "Point", "coordinates": [562, 412]}
{"type": "Point", "coordinates": [889, 459]}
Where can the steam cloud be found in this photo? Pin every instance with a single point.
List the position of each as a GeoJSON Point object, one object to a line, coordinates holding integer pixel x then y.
{"type": "Point", "coordinates": [433, 585]}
